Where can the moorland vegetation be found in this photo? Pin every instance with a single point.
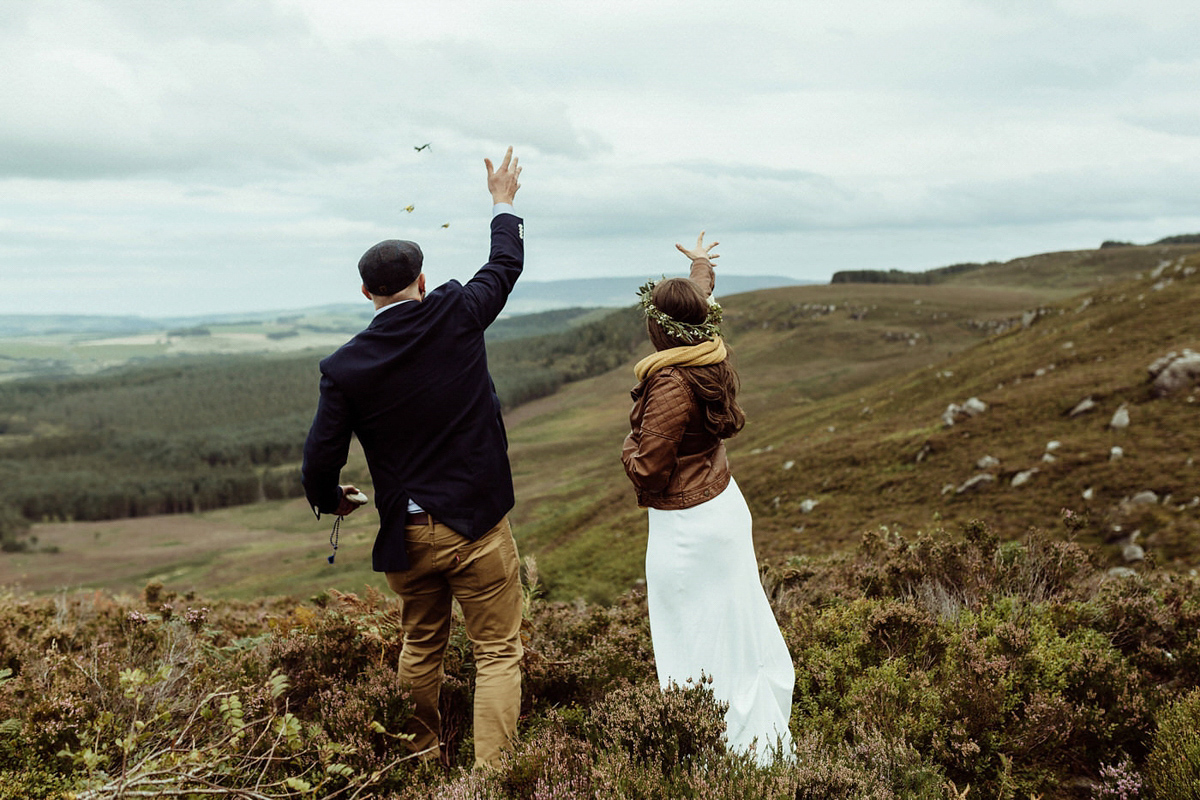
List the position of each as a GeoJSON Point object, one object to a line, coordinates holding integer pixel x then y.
{"type": "Point", "coordinates": [943, 666]}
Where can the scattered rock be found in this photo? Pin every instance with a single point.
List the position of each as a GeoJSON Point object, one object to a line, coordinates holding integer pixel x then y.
{"type": "Point", "coordinates": [951, 414]}
{"type": "Point", "coordinates": [1146, 498]}
{"type": "Point", "coordinates": [766, 449]}
{"type": "Point", "coordinates": [975, 406]}
{"type": "Point", "coordinates": [948, 488]}
{"type": "Point", "coordinates": [775, 502]}
{"type": "Point", "coordinates": [1116, 453]}
{"type": "Point", "coordinates": [807, 505]}
{"type": "Point", "coordinates": [987, 462]}
{"type": "Point", "coordinates": [1122, 572]}
{"type": "Point", "coordinates": [1133, 552]}
{"type": "Point", "coordinates": [1022, 477]}
{"type": "Point", "coordinates": [924, 452]}
{"type": "Point", "coordinates": [1120, 419]}
{"type": "Point", "coordinates": [1082, 407]}
{"type": "Point", "coordinates": [1175, 371]}
{"type": "Point", "coordinates": [974, 483]}
{"type": "Point", "coordinates": [1049, 458]}
{"type": "Point", "coordinates": [954, 412]}
{"type": "Point", "coordinates": [789, 464]}
{"type": "Point", "coordinates": [1089, 493]}
{"type": "Point", "coordinates": [1051, 446]}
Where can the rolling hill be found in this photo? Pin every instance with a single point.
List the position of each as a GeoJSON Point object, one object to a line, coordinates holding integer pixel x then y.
{"type": "Point", "coordinates": [844, 386]}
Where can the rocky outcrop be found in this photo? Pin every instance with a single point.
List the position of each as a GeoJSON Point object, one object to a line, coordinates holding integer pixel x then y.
{"type": "Point", "coordinates": [1175, 371]}
{"type": "Point", "coordinates": [955, 412]}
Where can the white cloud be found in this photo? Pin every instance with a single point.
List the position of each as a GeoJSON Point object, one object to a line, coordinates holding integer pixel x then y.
{"type": "Point", "coordinates": [211, 150]}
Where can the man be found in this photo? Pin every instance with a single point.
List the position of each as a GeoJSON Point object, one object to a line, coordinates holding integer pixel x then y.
{"type": "Point", "coordinates": [414, 388]}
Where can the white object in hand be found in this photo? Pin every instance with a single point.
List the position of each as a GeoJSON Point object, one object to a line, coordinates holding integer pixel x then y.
{"type": "Point", "coordinates": [357, 497]}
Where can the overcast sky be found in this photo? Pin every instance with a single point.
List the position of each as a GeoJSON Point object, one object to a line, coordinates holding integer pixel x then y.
{"type": "Point", "coordinates": [190, 157]}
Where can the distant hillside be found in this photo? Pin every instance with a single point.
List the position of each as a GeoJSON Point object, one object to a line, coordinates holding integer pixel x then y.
{"type": "Point", "coordinates": [1074, 269]}
{"type": "Point", "coordinates": [59, 346]}
{"type": "Point", "coordinates": [532, 296]}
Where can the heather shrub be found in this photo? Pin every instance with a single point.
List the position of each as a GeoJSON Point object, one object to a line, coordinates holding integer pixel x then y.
{"type": "Point", "coordinates": [671, 728]}
{"type": "Point", "coordinates": [1015, 667]}
{"type": "Point", "coordinates": [924, 664]}
{"type": "Point", "coordinates": [577, 655]}
{"type": "Point", "coordinates": [1173, 766]}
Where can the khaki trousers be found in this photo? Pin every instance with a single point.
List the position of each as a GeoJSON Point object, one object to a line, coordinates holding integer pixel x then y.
{"type": "Point", "coordinates": [484, 577]}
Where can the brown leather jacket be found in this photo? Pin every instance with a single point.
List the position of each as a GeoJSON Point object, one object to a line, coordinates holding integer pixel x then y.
{"type": "Point", "coordinates": [673, 461]}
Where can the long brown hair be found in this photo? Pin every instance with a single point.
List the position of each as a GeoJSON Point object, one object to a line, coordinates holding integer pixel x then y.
{"type": "Point", "coordinates": [715, 386]}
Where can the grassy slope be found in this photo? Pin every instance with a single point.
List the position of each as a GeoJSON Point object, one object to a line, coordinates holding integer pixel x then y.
{"type": "Point", "coordinates": [805, 372]}
{"type": "Point", "coordinates": [882, 397]}
{"type": "Point", "coordinates": [866, 472]}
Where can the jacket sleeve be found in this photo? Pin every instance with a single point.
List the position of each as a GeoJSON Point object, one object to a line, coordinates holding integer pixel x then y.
{"type": "Point", "coordinates": [488, 291]}
{"type": "Point", "coordinates": [704, 276]}
{"type": "Point", "coordinates": [326, 448]}
{"type": "Point", "coordinates": [651, 451]}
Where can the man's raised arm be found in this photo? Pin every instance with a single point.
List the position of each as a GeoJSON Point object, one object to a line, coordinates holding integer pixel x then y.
{"type": "Point", "coordinates": [489, 289]}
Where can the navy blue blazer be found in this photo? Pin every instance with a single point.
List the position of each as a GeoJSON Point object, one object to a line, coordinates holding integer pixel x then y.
{"type": "Point", "coordinates": [414, 388]}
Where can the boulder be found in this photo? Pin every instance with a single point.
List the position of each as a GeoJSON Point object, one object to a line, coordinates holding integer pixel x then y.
{"type": "Point", "coordinates": [1174, 371]}
{"type": "Point", "coordinates": [950, 415]}
{"type": "Point", "coordinates": [954, 412]}
{"type": "Point", "coordinates": [1082, 407]}
{"type": "Point", "coordinates": [975, 406]}
{"type": "Point", "coordinates": [1022, 478]}
{"type": "Point", "coordinates": [980, 480]}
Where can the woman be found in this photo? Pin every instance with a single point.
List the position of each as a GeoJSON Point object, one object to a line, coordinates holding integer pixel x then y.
{"type": "Point", "coordinates": [708, 612]}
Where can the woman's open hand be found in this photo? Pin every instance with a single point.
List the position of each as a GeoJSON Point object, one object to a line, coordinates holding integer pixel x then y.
{"type": "Point", "coordinates": [701, 250]}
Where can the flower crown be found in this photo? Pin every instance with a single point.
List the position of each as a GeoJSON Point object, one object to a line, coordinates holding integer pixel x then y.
{"type": "Point", "coordinates": [685, 331]}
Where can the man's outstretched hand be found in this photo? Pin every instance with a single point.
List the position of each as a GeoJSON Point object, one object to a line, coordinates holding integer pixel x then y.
{"type": "Point", "coordinates": [701, 250]}
{"type": "Point", "coordinates": [502, 182]}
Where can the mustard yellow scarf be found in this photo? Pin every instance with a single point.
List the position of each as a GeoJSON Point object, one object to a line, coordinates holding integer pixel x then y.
{"type": "Point", "coordinates": [697, 355]}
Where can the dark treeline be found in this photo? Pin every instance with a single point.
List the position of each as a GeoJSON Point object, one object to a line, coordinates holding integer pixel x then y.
{"type": "Point", "coordinates": [899, 276]}
{"type": "Point", "coordinates": [201, 433]}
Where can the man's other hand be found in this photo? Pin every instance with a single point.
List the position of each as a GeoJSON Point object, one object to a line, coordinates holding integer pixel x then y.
{"type": "Point", "coordinates": [502, 182]}
{"type": "Point", "coordinates": [347, 505]}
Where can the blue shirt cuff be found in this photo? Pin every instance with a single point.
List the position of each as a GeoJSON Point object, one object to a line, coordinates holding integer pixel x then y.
{"type": "Point", "coordinates": [503, 208]}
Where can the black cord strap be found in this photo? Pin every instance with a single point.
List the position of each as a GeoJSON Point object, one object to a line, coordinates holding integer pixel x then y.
{"type": "Point", "coordinates": [333, 537]}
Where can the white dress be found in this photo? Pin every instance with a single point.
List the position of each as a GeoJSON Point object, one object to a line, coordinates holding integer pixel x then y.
{"type": "Point", "coordinates": [709, 614]}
